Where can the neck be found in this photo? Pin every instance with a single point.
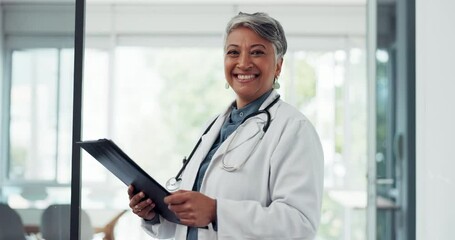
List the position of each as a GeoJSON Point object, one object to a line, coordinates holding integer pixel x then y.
{"type": "Point", "coordinates": [241, 103]}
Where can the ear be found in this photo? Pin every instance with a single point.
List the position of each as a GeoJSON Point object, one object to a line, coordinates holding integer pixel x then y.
{"type": "Point", "coordinates": [279, 63]}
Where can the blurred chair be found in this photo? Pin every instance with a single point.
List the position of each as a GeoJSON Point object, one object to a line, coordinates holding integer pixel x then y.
{"type": "Point", "coordinates": [108, 229]}
{"type": "Point", "coordinates": [11, 227]}
{"type": "Point", "coordinates": [55, 223]}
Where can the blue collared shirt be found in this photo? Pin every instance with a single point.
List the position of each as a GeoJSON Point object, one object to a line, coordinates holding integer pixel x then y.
{"type": "Point", "coordinates": [229, 126]}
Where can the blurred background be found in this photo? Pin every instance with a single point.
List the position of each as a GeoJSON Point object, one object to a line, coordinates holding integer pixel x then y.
{"type": "Point", "coordinates": [153, 77]}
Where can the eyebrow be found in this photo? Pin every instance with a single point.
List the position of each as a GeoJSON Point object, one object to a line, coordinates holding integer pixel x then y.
{"type": "Point", "coordinates": [252, 46]}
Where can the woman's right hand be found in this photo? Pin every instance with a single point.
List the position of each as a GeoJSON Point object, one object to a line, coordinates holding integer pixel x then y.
{"type": "Point", "coordinates": [140, 206]}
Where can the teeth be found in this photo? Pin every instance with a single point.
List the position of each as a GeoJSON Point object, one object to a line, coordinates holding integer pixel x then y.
{"type": "Point", "coordinates": [245, 77]}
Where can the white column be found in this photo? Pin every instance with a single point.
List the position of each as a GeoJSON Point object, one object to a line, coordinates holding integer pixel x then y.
{"type": "Point", "coordinates": [435, 119]}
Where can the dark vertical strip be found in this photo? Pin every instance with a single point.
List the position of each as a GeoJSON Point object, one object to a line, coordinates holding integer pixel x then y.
{"type": "Point", "coordinates": [57, 110]}
{"type": "Point", "coordinates": [6, 121]}
{"type": "Point", "coordinates": [411, 59]}
{"type": "Point", "coordinates": [77, 120]}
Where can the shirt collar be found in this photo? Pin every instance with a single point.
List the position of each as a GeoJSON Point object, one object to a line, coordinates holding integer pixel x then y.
{"type": "Point", "coordinates": [237, 115]}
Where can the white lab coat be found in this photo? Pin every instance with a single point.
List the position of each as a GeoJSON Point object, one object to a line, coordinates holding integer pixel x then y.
{"type": "Point", "coordinates": [276, 194]}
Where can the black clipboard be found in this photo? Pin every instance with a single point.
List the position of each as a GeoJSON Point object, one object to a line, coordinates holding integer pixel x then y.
{"type": "Point", "coordinates": [123, 167]}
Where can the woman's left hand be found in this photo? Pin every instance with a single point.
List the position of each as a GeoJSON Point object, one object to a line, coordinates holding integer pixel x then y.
{"type": "Point", "coordinates": [192, 208]}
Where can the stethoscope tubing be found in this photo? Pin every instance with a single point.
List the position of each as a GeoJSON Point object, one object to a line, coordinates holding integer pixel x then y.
{"type": "Point", "coordinates": [187, 160]}
{"type": "Point", "coordinates": [266, 111]}
{"type": "Point", "coordinates": [265, 128]}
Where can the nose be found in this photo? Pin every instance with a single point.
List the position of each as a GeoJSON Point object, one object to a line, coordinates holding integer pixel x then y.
{"type": "Point", "coordinates": [244, 62]}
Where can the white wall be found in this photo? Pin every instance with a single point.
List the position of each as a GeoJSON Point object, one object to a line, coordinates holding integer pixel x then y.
{"type": "Point", "coordinates": [435, 123]}
{"type": "Point", "coordinates": [135, 24]}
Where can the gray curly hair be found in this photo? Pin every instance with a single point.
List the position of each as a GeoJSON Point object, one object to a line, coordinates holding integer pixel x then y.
{"type": "Point", "coordinates": [262, 24]}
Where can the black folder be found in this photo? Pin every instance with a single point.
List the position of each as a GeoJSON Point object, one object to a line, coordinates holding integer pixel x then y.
{"type": "Point", "coordinates": [122, 166]}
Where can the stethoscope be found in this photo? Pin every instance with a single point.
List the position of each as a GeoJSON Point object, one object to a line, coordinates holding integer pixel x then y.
{"type": "Point", "coordinates": [173, 183]}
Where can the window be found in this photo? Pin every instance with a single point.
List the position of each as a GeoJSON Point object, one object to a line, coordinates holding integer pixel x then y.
{"type": "Point", "coordinates": [154, 108]}
{"type": "Point", "coordinates": [158, 100]}
{"type": "Point", "coordinates": [152, 88]}
{"type": "Point", "coordinates": [39, 146]}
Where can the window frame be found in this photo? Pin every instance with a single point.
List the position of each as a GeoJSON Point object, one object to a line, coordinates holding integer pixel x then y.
{"type": "Point", "coordinates": [17, 43]}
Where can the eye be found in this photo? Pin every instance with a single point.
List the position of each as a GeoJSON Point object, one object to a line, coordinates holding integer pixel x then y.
{"type": "Point", "coordinates": [257, 53]}
{"type": "Point", "coordinates": [232, 53]}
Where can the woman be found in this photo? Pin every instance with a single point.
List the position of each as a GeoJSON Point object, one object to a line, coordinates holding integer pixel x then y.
{"type": "Point", "coordinates": [258, 179]}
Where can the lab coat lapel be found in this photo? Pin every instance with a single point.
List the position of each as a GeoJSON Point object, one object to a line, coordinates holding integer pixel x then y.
{"type": "Point", "coordinates": [244, 133]}
{"type": "Point", "coordinates": [267, 102]}
{"type": "Point", "coordinates": [250, 129]}
{"type": "Point", "coordinates": [199, 155]}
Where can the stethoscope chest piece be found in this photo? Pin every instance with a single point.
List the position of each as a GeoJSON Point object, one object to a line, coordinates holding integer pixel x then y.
{"type": "Point", "coordinates": [173, 184]}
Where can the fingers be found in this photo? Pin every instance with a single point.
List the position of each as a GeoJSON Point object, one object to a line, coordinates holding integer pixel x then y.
{"type": "Point", "coordinates": [178, 197]}
{"type": "Point", "coordinates": [141, 206]}
{"type": "Point", "coordinates": [135, 199]}
{"type": "Point", "coordinates": [130, 191]}
{"type": "Point", "coordinates": [144, 209]}
{"type": "Point", "coordinates": [179, 202]}
{"type": "Point", "coordinates": [192, 208]}
{"type": "Point", "coordinates": [148, 208]}
{"type": "Point", "coordinates": [144, 206]}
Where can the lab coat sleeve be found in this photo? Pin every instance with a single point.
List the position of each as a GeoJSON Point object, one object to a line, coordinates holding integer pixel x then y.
{"type": "Point", "coordinates": [162, 230]}
{"type": "Point", "coordinates": [295, 188]}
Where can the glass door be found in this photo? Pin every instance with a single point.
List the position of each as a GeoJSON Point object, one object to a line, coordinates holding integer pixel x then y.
{"type": "Point", "coordinates": [392, 146]}
{"type": "Point", "coordinates": [36, 105]}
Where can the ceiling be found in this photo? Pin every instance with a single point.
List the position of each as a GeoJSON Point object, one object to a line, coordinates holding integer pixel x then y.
{"type": "Point", "coordinates": [300, 2]}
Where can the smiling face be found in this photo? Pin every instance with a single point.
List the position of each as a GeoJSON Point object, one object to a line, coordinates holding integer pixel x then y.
{"type": "Point", "coordinates": [249, 65]}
